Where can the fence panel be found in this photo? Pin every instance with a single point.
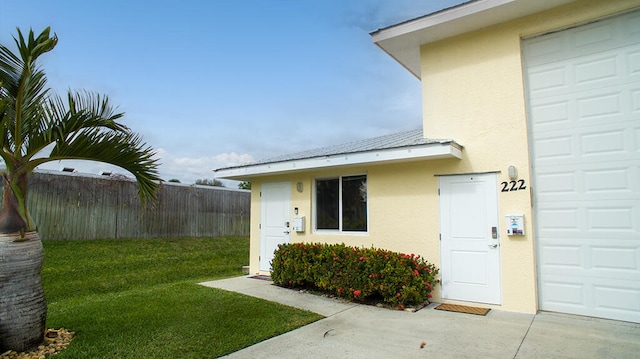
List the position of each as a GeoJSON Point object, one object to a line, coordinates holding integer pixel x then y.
{"type": "Point", "coordinates": [73, 206]}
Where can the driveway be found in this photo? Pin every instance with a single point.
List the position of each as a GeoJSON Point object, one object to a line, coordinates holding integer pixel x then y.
{"type": "Point", "coordinates": [359, 331]}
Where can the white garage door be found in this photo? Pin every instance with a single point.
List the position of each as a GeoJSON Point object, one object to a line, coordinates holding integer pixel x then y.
{"type": "Point", "coordinates": [583, 87]}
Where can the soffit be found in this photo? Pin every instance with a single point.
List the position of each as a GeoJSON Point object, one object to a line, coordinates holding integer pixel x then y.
{"type": "Point", "coordinates": [402, 41]}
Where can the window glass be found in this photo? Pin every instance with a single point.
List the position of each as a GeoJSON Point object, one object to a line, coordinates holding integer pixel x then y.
{"type": "Point", "coordinates": [354, 203]}
{"type": "Point", "coordinates": [327, 194]}
{"type": "Point", "coordinates": [341, 203]}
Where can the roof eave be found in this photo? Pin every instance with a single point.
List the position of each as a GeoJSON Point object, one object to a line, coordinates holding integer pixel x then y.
{"type": "Point", "coordinates": [430, 151]}
{"type": "Point", "coordinates": [402, 41]}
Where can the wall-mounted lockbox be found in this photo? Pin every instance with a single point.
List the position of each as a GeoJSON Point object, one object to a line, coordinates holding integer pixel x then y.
{"type": "Point", "coordinates": [515, 224]}
{"type": "Point", "coordinates": [298, 224]}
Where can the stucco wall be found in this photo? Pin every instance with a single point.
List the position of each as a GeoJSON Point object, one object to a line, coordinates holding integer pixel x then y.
{"type": "Point", "coordinates": [403, 214]}
{"type": "Point", "coordinates": [473, 92]}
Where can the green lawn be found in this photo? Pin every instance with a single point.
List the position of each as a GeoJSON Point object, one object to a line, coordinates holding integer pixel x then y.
{"type": "Point", "coordinates": [140, 299]}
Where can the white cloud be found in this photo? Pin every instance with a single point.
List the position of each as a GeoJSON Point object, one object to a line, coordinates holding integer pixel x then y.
{"type": "Point", "coordinates": [189, 169]}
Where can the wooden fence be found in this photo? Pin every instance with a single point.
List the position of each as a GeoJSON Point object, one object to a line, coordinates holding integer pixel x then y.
{"type": "Point", "coordinates": [72, 206]}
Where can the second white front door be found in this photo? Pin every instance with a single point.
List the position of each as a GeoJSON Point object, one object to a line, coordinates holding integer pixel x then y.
{"type": "Point", "coordinates": [469, 243]}
{"type": "Point", "coordinates": [275, 207]}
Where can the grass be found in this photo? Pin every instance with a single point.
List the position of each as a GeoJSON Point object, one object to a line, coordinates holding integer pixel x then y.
{"type": "Point", "coordinates": [140, 298]}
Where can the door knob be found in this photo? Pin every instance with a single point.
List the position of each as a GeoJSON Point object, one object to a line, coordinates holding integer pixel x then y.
{"type": "Point", "coordinates": [286, 232]}
{"type": "Point", "coordinates": [495, 245]}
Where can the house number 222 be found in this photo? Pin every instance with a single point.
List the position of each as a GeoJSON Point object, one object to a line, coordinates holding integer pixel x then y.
{"type": "Point", "coordinates": [513, 186]}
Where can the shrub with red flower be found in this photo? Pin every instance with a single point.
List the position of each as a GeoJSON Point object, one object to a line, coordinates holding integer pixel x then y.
{"type": "Point", "coordinates": [370, 274]}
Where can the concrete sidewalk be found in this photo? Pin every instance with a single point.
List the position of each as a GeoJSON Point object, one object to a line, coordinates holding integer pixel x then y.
{"type": "Point", "coordinates": [361, 331]}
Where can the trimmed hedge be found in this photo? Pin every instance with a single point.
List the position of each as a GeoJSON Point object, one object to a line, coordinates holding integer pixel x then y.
{"type": "Point", "coordinates": [359, 274]}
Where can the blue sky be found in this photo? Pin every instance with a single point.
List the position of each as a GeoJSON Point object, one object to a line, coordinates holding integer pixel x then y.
{"type": "Point", "coordinates": [210, 84]}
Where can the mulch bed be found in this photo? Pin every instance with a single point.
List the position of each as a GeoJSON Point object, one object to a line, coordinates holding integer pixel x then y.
{"type": "Point", "coordinates": [55, 340]}
{"type": "Point", "coordinates": [375, 302]}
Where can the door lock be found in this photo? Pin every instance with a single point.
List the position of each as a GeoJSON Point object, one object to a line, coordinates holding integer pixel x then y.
{"type": "Point", "coordinates": [494, 232]}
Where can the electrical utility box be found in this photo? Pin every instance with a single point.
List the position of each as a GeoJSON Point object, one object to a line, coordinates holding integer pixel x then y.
{"type": "Point", "coordinates": [515, 224]}
{"type": "Point", "coordinates": [298, 224]}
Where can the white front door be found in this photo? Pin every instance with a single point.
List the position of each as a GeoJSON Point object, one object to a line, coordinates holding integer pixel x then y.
{"type": "Point", "coordinates": [469, 243]}
{"type": "Point", "coordinates": [275, 207]}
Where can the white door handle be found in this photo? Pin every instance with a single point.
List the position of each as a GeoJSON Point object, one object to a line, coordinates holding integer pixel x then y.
{"type": "Point", "coordinates": [286, 232]}
{"type": "Point", "coordinates": [495, 245]}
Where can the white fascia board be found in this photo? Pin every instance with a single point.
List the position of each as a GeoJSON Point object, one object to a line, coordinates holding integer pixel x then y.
{"type": "Point", "coordinates": [402, 154]}
{"type": "Point", "coordinates": [402, 42]}
{"type": "Point", "coordinates": [446, 16]}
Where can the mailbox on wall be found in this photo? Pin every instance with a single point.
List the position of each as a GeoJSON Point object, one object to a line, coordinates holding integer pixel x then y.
{"type": "Point", "coordinates": [515, 224]}
{"type": "Point", "coordinates": [298, 224]}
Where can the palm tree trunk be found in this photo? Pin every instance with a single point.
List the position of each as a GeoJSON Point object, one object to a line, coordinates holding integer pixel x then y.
{"type": "Point", "coordinates": [23, 309]}
{"type": "Point", "coordinates": [10, 219]}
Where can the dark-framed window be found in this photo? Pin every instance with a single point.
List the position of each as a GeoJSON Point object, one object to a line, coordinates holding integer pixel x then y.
{"type": "Point", "coordinates": [341, 203]}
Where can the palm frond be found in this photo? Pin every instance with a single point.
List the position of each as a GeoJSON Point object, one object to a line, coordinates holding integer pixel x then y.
{"type": "Point", "coordinates": [84, 125]}
{"type": "Point", "coordinates": [34, 47]}
{"type": "Point", "coordinates": [62, 121]}
{"type": "Point", "coordinates": [123, 149]}
{"type": "Point", "coordinates": [10, 70]}
{"type": "Point", "coordinates": [33, 97]}
{"type": "Point", "coordinates": [24, 89]}
{"type": "Point", "coordinates": [103, 113]}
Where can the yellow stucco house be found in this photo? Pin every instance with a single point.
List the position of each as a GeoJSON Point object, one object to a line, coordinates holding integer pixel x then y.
{"type": "Point", "coordinates": [523, 186]}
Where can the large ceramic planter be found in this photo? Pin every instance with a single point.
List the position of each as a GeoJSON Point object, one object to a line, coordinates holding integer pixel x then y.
{"type": "Point", "coordinates": [23, 308]}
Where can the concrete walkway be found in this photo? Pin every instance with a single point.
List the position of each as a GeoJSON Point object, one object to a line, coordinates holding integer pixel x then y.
{"type": "Point", "coordinates": [360, 331]}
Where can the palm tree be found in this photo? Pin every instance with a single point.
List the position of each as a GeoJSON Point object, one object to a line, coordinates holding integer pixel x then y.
{"type": "Point", "coordinates": [38, 126]}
